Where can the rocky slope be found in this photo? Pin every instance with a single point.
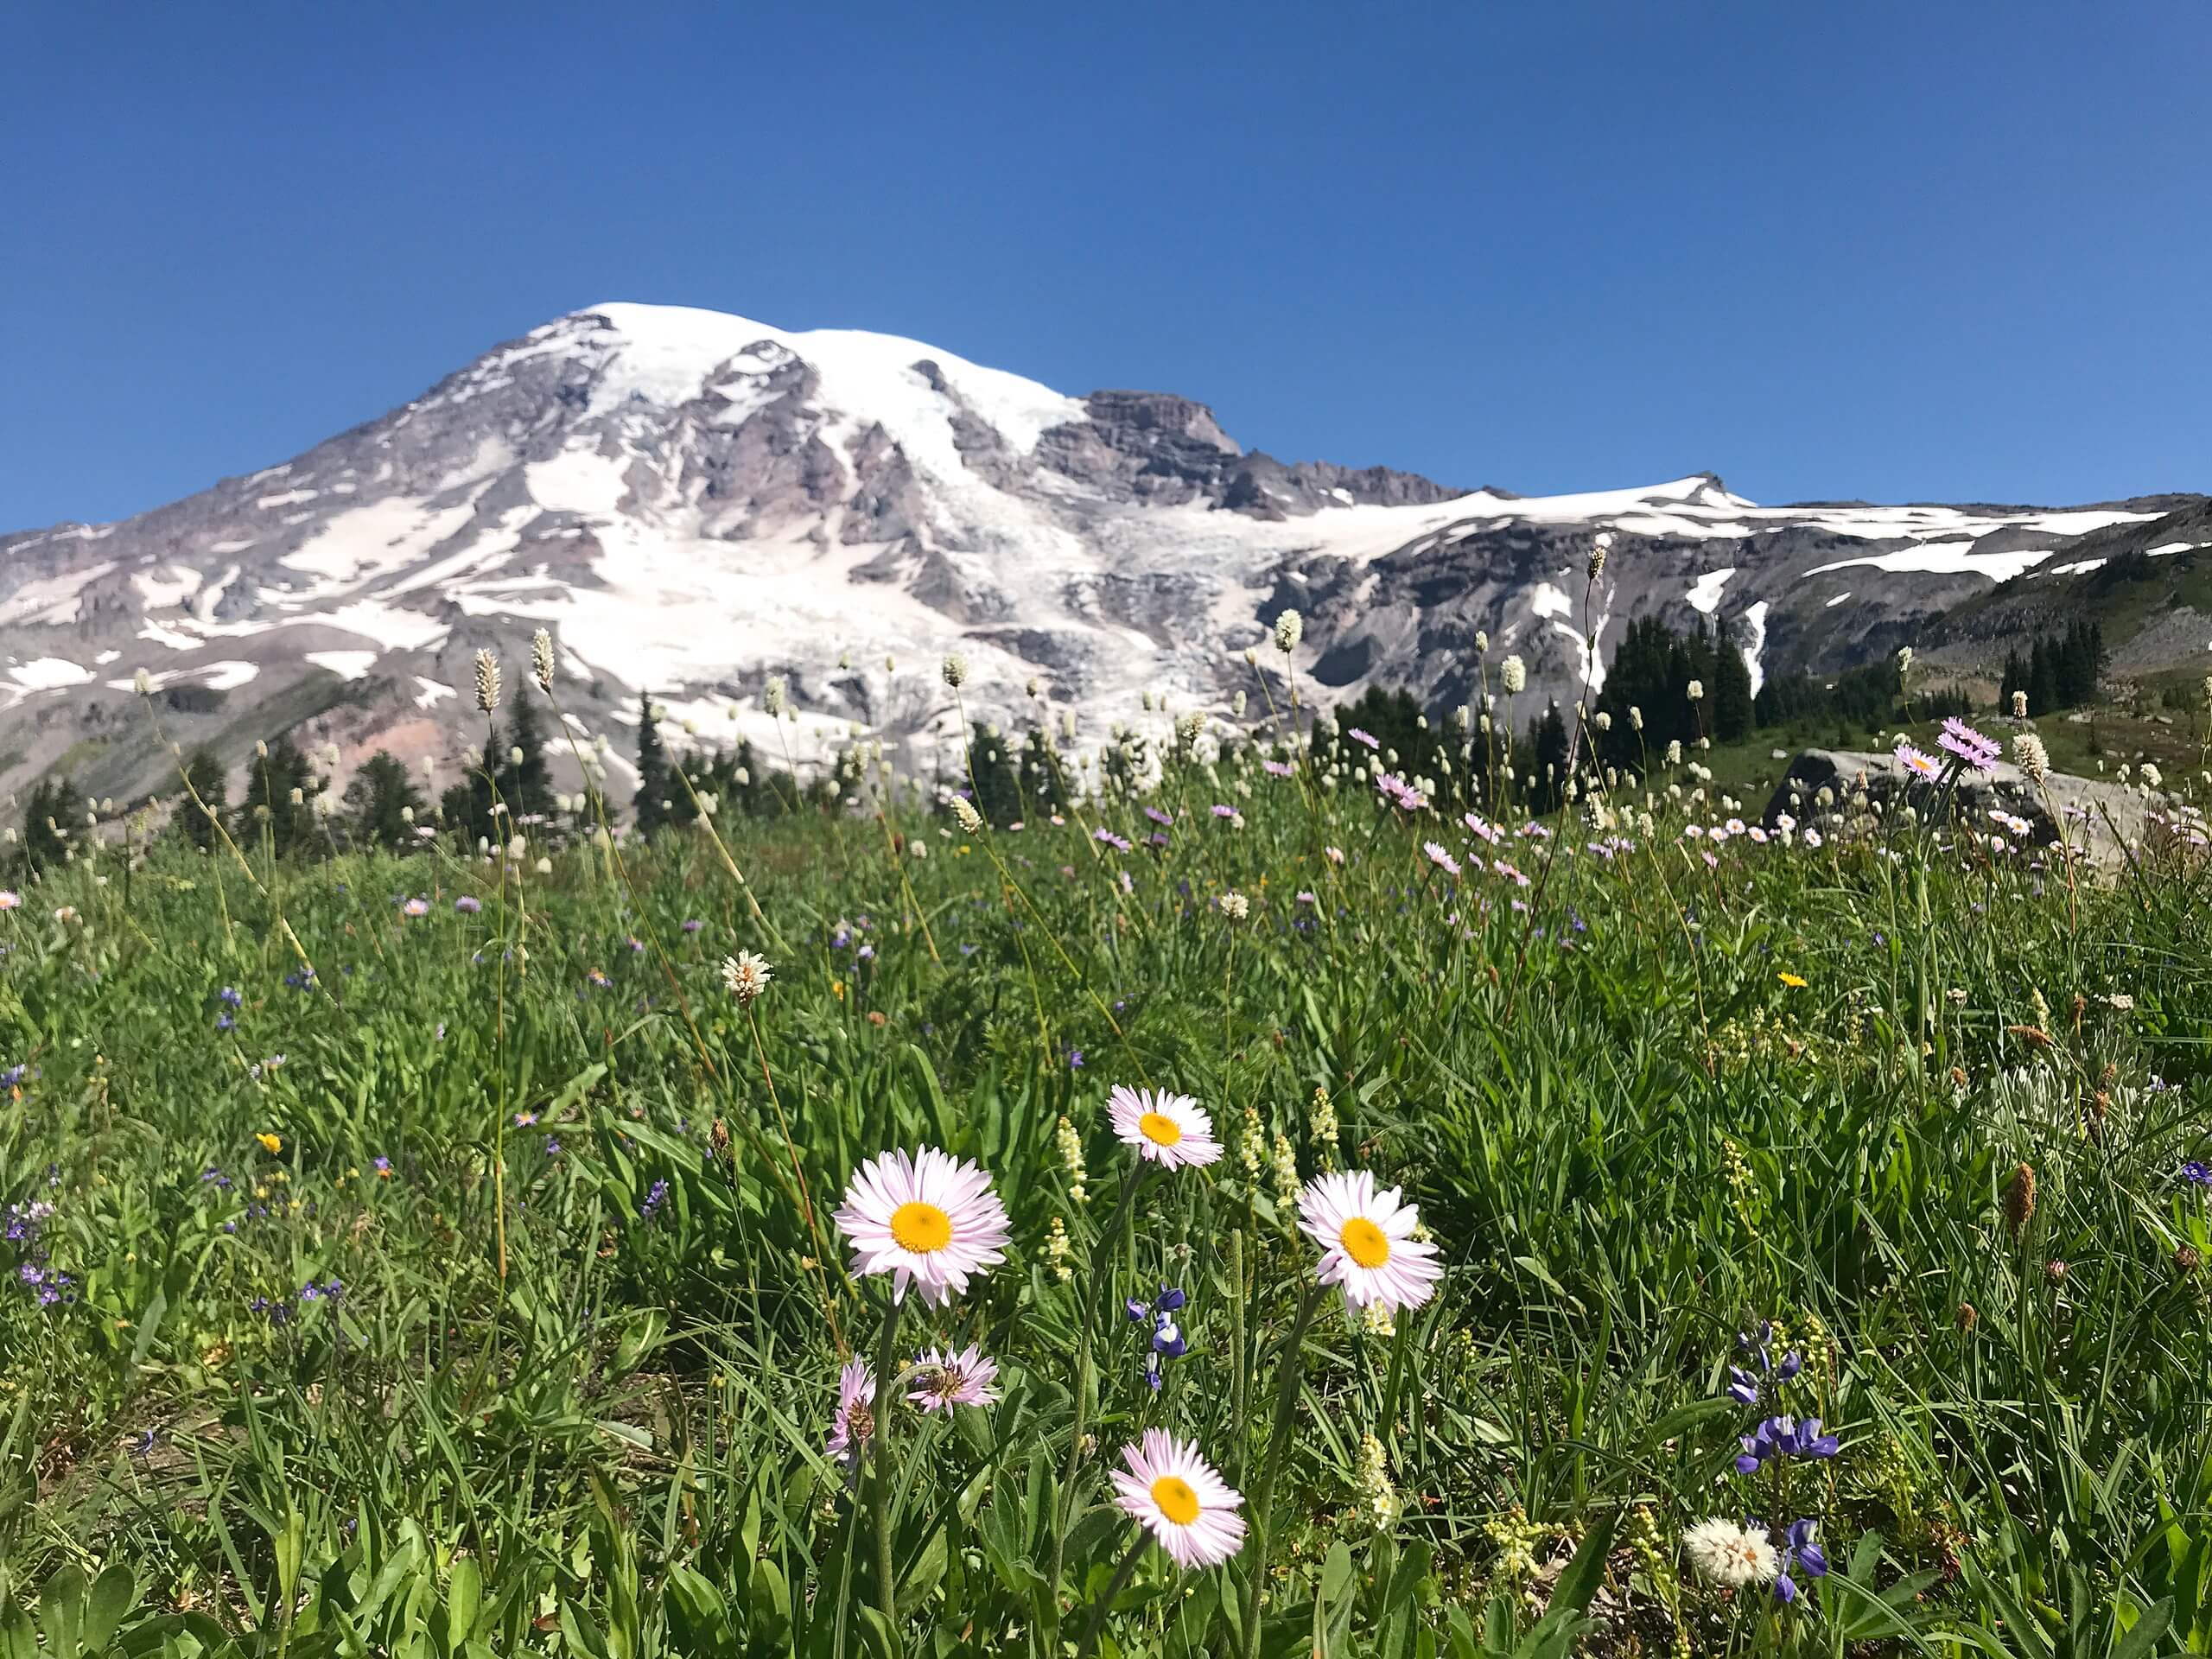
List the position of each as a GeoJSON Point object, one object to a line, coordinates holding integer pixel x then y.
{"type": "Point", "coordinates": [692, 502]}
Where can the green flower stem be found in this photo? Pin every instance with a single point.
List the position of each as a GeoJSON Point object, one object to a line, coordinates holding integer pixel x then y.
{"type": "Point", "coordinates": [1288, 1376]}
{"type": "Point", "coordinates": [1125, 1214]}
{"type": "Point", "coordinates": [886, 1369]}
{"type": "Point", "coordinates": [1104, 1605]}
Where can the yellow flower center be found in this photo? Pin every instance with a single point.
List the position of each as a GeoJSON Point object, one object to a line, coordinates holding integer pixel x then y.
{"type": "Point", "coordinates": [1160, 1128]}
{"type": "Point", "coordinates": [921, 1227]}
{"type": "Point", "coordinates": [1365, 1242]}
{"type": "Point", "coordinates": [1175, 1498]}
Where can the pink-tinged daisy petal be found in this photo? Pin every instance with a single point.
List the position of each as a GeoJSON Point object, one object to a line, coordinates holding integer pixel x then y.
{"type": "Point", "coordinates": [1368, 1249]}
{"type": "Point", "coordinates": [944, 1380]}
{"type": "Point", "coordinates": [1177, 1497]}
{"type": "Point", "coordinates": [1173, 1130]}
{"type": "Point", "coordinates": [928, 1220]}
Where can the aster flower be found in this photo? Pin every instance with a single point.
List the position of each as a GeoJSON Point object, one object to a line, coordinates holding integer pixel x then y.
{"type": "Point", "coordinates": [1731, 1555]}
{"type": "Point", "coordinates": [1178, 1499]}
{"type": "Point", "coordinates": [1359, 736]}
{"type": "Point", "coordinates": [944, 1380]}
{"type": "Point", "coordinates": [1442, 859]}
{"type": "Point", "coordinates": [1919, 763]}
{"type": "Point", "coordinates": [1368, 1247]}
{"type": "Point", "coordinates": [927, 1219]}
{"type": "Point", "coordinates": [1977, 753]}
{"type": "Point", "coordinates": [1172, 1130]}
{"type": "Point", "coordinates": [416, 907]}
{"type": "Point", "coordinates": [853, 1427]}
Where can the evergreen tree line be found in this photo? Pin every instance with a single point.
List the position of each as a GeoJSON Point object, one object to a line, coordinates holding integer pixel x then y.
{"type": "Point", "coordinates": [2061, 673]}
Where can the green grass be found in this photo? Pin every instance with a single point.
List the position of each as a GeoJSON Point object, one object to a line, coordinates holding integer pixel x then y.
{"type": "Point", "coordinates": [1631, 1138]}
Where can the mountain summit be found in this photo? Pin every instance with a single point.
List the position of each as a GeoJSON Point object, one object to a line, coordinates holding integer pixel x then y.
{"type": "Point", "coordinates": [692, 502]}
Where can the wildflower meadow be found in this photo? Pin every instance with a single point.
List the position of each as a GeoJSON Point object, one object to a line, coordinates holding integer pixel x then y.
{"type": "Point", "coordinates": [1235, 1193]}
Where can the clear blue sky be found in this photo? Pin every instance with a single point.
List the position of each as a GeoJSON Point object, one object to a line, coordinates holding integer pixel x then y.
{"type": "Point", "coordinates": [1890, 250]}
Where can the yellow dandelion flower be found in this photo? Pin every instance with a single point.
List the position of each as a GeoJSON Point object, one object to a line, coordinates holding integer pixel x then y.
{"type": "Point", "coordinates": [270, 1142]}
{"type": "Point", "coordinates": [1792, 981]}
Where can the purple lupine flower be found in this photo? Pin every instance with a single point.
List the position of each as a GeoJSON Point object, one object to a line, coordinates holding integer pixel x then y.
{"type": "Point", "coordinates": [655, 1196]}
{"type": "Point", "coordinates": [2197, 1173]}
{"type": "Point", "coordinates": [1799, 1553]}
{"type": "Point", "coordinates": [1075, 1059]}
{"type": "Point", "coordinates": [693, 926]}
{"type": "Point", "coordinates": [230, 997]}
{"type": "Point", "coordinates": [1784, 1437]}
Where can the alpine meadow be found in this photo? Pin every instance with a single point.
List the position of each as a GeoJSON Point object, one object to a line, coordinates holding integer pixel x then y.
{"type": "Point", "coordinates": [1238, 1184]}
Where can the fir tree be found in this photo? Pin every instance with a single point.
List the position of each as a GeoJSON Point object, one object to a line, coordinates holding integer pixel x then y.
{"type": "Point", "coordinates": [1731, 689]}
{"type": "Point", "coordinates": [652, 771]}
{"type": "Point", "coordinates": [525, 783]}
{"type": "Point", "coordinates": [269, 810]}
{"type": "Point", "coordinates": [205, 775]}
{"type": "Point", "coordinates": [378, 801]}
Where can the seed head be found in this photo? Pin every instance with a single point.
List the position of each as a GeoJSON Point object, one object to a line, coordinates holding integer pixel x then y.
{"type": "Point", "coordinates": [2020, 1199]}
{"type": "Point", "coordinates": [1290, 628]}
{"type": "Point", "coordinates": [956, 670]}
{"type": "Point", "coordinates": [2019, 705]}
{"type": "Point", "coordinates": [1515, 674]}
{"type": "Point", "coordinates": [1599, 548]}
{"type": "Point", "coordinates": [488, 681]}
{"type": "Point", "coordinates": [969, 819]}
{"type": "Point", "coordinates": [1697, 691]}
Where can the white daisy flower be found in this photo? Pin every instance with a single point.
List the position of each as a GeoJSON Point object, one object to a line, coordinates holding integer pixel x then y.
{"type": "Point", "coordinates": [1173, 1130]}
{"type": "Point", "coordinates": [929, 1219]}
{"type": "Point", "coordinates": [1731, 1555]}
{"type": "Point", "coordinates": [1180, 1499]}
{"type": "Point", "coordinates": [1367, 1241]}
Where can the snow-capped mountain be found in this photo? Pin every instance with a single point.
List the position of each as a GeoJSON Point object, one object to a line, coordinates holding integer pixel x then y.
{"type": "Point", "coordinates": [692, 502]}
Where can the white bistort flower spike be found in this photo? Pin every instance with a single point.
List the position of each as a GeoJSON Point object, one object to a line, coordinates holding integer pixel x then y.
{"type": "Point", "coordinates": [745, 975]}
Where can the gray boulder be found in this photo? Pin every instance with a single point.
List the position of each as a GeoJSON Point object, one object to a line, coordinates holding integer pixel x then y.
{"type": "Point", "coordinates": [2100, 816]}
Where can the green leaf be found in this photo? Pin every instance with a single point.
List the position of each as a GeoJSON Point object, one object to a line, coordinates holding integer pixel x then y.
{"type": "Point", "coordinates": [114, 1593]}
{"type": "Point", "coordinates": [464, 1598]}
